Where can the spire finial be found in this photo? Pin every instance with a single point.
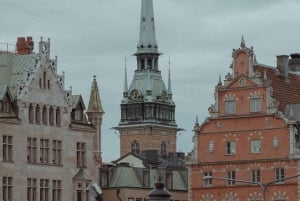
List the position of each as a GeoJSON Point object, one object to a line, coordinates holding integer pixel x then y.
{"type": "Point", "coordinates": [169, 78]}
{"type": "Point", "coordinates": [147, 40]}
{"type": "Point", "coordinates": [197, 121]}
{"type": "Point", "coordinates": [243, 44]}
{"type": "Point", "coordinates": [220, 82]}
{"type": "Point", "coordinates": [125, 79]}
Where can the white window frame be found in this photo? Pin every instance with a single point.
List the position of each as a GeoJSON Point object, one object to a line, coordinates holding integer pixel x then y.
{"type": "Point", "coordinates": [230, 106]}
{"type": "Point", "coordinates": [279, 175]}
{"type": "Point", "coordinates": [255, 146]}
{"type": "Point", "coordinates": [255, 176]}
{"type": "Point", "coordinates": [231, 178]}
{"type": "Point", "coordinates": [230, 147]}
{"type": "Point", "coordinates": [255, 104]}
{"type": "Point", "coordinates": [207, 182]}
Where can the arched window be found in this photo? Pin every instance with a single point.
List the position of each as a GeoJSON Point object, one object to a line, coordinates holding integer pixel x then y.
{"type": "Point", "coordinates": [135, 147]}
{"type": "Point", "coordinates": [163, 148]}
{"type": "Point", "coordinates": [30, 114]}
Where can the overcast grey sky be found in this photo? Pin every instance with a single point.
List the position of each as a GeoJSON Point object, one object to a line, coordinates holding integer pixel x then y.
{"type": "Point", "coordinates": [92, 37]}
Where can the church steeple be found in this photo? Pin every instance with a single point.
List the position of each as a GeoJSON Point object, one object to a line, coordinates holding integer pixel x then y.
{"type": "Point", "coordinates": [147, 50]}
{"type": "Point", "coordinates": [147, 107]}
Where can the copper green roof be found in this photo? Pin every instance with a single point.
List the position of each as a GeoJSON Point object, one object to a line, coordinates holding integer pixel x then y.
{"type": "Point", "coordinates": [95, 104]}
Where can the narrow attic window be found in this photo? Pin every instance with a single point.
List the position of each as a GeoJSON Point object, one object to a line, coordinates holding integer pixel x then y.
{"type": "Point", "coordinates": [78, 115]}
{"type": "Point", "coordinates": [5, 106]}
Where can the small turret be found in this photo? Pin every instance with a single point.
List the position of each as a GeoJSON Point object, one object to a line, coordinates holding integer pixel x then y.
{"type": "Point", "coordinates": [95, 113]}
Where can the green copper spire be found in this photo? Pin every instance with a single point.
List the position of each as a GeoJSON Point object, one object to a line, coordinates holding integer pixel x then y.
{"type": "Point", "coordinates": [147, 40]}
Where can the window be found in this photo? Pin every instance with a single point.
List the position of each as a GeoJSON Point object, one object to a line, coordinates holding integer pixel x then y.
{"type": "Point", "coordinates": [30, 114]}
{"type": "Point", "coordinates": [231, 178]}
{"type": "Point", "coordinates": [163, 148]}
{"type": "Point", "coordinates": [31, 189]}
{"type": "Point", "coordinates": [255, 104]}
{"type": "Point", "coordinates": [207, 182]}
{"type": "Point", "coordinates": [230, 148]}
{"type": "Point", "coordinates": [135, 147]}
{"type": "Point", "coordinates": [44, 115]}
{"type": "Point", "coordinates": [51, 116]}
{"type": "Point", "coordinates": [44, 190]}
{"type": "Point", "coordinates": [230, 106]}
{"type": "Point", "coordinates": [130, 199]}
{"type": "Point", "coordinates": [44, 79]}
{"type": "Point", "coordinates": [79, 195]}
{"type": "Point", "coordinates": [78, 115]}
{"type": "Point", "coordinates": [57, 113]}
{"type": "Point", "coordinates": [279, 175]}
{"type": "Point", "coordinates": [5, 106]}
{"type": "Point", "coordinates": [56, 190]}
{"type": "Point", "coordinates": [56, 152]}
{"type": "Point", "coordinates": [80, 154]}
{"type": "Point", "coordinates": [145, 178]}
{"type": "Point", "coordinates": [82, 193]}
{"type": "Point", "coordinates": [38, 114]}
{"type": "Point", "coordinates": [31, 150]}
{"type": "Point", "coordinates": [104, 176]}
{"type": "Point", "coordinates": [7, 191]}
{"type": "Point", "coordinates": [169, 181]}
{"type": "Point", "coordinates": [255, 176]}
{"type": "Point", "coordinates": [255, 146]}
{"type": "Point", "coordinates": [44, 151]}
{"type": "Point", "coordinates": [138, 199]}
{"type": "Point", "coordinates": [7, 148]}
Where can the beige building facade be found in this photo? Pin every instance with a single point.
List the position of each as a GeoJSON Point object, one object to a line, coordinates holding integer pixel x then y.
{"type": "Point", "coordinates": [49, 151]}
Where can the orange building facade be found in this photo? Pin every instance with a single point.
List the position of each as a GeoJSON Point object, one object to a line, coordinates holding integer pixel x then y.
{"type": "Point", "coordinates": [248, 149]}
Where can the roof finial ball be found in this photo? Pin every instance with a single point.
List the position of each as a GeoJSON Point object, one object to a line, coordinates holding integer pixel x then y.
{"type": "Point", "coordinates": [159, 193]}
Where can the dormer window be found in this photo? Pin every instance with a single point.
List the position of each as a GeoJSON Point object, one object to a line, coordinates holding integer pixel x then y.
{"type": "Point", "coordinates": [4, 106]}
{"type": "Point", "coordinates": [78, 115]}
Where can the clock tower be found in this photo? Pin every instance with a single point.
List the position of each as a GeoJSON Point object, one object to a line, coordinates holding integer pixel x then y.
{"type": "Point", "coordinates": [147, 108]}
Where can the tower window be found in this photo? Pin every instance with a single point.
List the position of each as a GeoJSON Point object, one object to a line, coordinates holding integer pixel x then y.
{"type": "Point", "coordinates": [135, 147]}
{"type": "Point", "coordinates": [149, 63]}
{"type": "Point", "coordinates": [163, 149]}
{"type": "Point", "coordinates": [142, 63]}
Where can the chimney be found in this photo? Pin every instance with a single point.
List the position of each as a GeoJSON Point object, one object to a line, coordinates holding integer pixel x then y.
{"type": "Point", "coordinates": [283, 66]}
{"type": "Point", "coordinates": [294, 62]}
{"type": "Point", "coordinates": [24, 45]}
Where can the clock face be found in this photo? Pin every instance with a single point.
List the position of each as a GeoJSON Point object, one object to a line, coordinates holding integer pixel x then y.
{"type": "Point", "coordinates": [134, 95]}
